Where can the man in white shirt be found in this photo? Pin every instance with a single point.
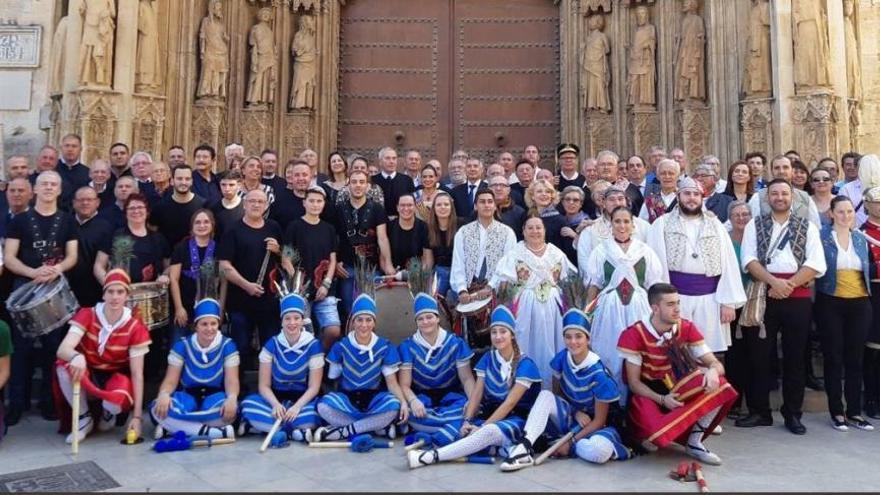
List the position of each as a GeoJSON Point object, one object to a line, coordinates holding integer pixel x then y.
{"type": "Point", "coordinates": [802, 205]}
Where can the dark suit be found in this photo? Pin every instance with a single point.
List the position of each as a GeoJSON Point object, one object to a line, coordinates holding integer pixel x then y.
{"type": "Point", "coordinates": [635, 198]}
{"type": "Point", "coordinates": [717, 204]}
{"type": "Point", "coordinates": [464, 203]}
{"type": "Point", "coordinates": [393, 189]}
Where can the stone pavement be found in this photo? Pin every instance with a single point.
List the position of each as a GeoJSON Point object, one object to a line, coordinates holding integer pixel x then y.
{"type": "Point", "coordinates": [760, 459]}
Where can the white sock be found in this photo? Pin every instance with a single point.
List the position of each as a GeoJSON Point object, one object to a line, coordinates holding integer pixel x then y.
{"type": "Point", "coordinates": [543, 409]}
{"type": "Point", "coordinates": [695, 439]}
{"type": "Point", "coordinates": [373, 423]}
{"type": "Point", "coordinates": [596, 449]}
{"type": "Point", "coordinates": [486, 436]}
{"type": "Point", "coordinates": [333, 416]}
{"type": "Point", "coordinates": [66, 386]}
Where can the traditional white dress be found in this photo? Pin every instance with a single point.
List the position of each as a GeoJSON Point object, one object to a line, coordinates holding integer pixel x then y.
{"type": "Point", "coordinates": [623, 278]}
{"type": "Point", "coordinates": [708, 238]}
{"type": "Point", "coordinates": [537, 303]}
{"type": "Point", "coordinates": [600, 231]}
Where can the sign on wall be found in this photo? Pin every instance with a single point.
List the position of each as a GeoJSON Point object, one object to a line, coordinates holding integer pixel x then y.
{"type": "Point", "coordinates": [20, 46]}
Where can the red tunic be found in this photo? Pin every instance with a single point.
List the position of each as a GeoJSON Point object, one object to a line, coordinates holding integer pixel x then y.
{"type": "Point", "coordinates": [647, 419]}
{"type": "Point", "coordinates": [872, 231]}
{"type": "Point", "coordinates": [115, 357]}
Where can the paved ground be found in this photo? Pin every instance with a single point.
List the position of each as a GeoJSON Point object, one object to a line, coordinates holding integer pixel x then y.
{"type": "Point", "coordinates": [762, 459]}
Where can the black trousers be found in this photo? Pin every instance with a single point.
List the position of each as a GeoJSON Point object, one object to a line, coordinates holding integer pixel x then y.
{"type": "Point", "coordinates": [843, 325]}
{"type": "Point", "coordinates": [789, 318]}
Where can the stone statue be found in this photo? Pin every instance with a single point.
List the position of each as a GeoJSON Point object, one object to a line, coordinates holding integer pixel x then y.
{"type": "Point", "coordinates": [305, 55]}
{"type": "Point", "coordinates": [96, 50]}
{"type": "Point", "coordinates": [810, 44]}
{"type": "Point", "coordinates": [214, 52]}
{"type": "Point", "coordinates": [642, 82]}
{"type": "Point", "coordinates": [148, 73]}
{"type": "Point", "coordinates": [261, 39]}
{"type": "Point", "coordinates": [853, 62]}
{"type": "Point", "coordinates": [690, 63]}
{"type": "Point", "coordinates": [597, 6]}
{"type": "Point", "coordinates": [595, 75]}
{"type": "Point", "coordinates": [56, 66]}
{"type": "Point", "coordinates": [758, 78]}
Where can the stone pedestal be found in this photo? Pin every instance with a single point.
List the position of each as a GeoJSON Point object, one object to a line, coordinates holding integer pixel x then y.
{"type": "Point", "coordinates": [209, 123]}
{"type": "Point", "coordinates": [854, 110]}
{"type": "Point", "coordinates": [256, 129]}
{"type": "Point", "coordinates": [95, 116]}
{"type": "Point", "coordinates": [297, 132]}
{"type": "Point", "coordinates": [643, 124]}
{"type": "Point", "coordinates": [693, 124]}
{"type": "Point", "coordinates": [815, 122]}
{"type": "Point", "coordinates": [148, 123]}
{"type": "Point", "coordinates": [600, 132]}
{"type": "Point", "coordinates": [757, 125]}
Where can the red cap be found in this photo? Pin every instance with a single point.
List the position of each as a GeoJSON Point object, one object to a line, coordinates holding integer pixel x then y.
{"type": "Point", "coordinates": [117, 276]}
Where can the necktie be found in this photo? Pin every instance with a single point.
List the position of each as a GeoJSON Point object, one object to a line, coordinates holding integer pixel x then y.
{"type": "Point", "coordinates": [471, 188]}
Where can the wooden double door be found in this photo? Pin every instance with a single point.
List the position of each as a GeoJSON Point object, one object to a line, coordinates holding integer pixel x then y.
{"type": "Point", "coordinates": [442, 75]}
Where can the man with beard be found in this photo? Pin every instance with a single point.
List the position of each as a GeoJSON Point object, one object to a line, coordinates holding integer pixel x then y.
{"type": "Point", "coordinates": [119, 156]}
{"type": "Point", "coordinates": [93, 231]}
{"type": "Point", "coordinates": [698, 259]}
{"type": "Point", "coordinates": [204, 181]}
{"type": "Point", "coordinates": [288, 204]}
{"type": "Point", "coordinates": [173, 215]}
{"type": "Point", "coordinates": [269, 157]}
{"type": "Point", "coordinates": [784, 252]}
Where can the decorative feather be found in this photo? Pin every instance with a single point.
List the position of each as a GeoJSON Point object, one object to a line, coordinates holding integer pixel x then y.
{"type": "Point", "coordinates": [298, 282]}
{"type": "Point", "coordinates": [574, 293]}
{"type": "Point", "coordinates": [122, 252]}
{"type": "Point", "coordinates": [506, 295]}
{"type": "Point", "coordinates": [364, 272]}
{"type": "Point", "coordinates": [208, 281]}
{"type": "Point", "coordinates": [419, 277]}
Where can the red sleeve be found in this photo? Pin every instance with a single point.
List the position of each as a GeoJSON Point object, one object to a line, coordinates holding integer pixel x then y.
{"type": "Point", "coordinates": [690, 333]}
{"type": "Point", "coordinates": [140, 335]}
{"type": "Point", "coordinates": [630, 340]}
{"type": "Point", "coordinates": [83, 318]}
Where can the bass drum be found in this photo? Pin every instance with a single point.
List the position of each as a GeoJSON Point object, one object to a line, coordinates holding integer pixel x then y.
{"type": "Point", "coordinates": [395, 320]}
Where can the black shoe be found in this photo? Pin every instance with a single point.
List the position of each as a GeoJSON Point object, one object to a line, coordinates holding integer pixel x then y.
{"type": "Point", "coordinates": [871, 409]}
{"type": "Point", "coordinates": [814, 383]}
{"type": "Point", "coordinates": [47, 412]}
{"type": "Point", "coordinates": [13, 415]}
{"type": "Point", "coordinates": [795, 426]}
{"type": "Point", "coordinates": [736, 414]}
{"type": "Point", "coordinates": [754, 419]}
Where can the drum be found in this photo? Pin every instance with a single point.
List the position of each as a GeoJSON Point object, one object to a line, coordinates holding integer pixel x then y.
{"type": "Point", "coordinates": [473, 324]}
{"type": "Point", "coordinates": [149, 301]}
{"type": "Point", "coordinates": [37, 309]}
{"type": "Point", "coordinates": [395, 319]}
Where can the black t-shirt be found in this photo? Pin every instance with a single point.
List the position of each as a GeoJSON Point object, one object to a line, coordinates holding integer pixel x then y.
{"type": "Point", "coordinates": [357, 227]}
{"type": "Point", "coordinates": [226, 217]}
{"type": "Point", "coordinates": [85, 286]}
{"type": "Point", "coordinates": [442, 252]}
{"type": "Point", "coordinates": [181, 256]}
{"type": "Point", "coordinates": [173, 219]}
{"type": "Point", "coordinates": [245, 247]}
{"type": "Point", "coordinates": [406, 244]}
{"type": "Point", "coordinates": [42, 238]}
{"type": "Point", "coordinates": [149, 253]}
{"type": "Point", "coordinates": [314, 243]}
{"type": "Point", "coordinates": [286, 208]}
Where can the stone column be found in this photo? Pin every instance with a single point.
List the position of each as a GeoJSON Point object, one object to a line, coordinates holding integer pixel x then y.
{"type": "Point", "coordinates": [837, 69]}
{"type": "Point", "coordinates": [783, 74]}
{"type": "Point", "coordinates": [124, 64]}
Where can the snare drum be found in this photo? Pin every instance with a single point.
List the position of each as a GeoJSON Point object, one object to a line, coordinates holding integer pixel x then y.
{"type": "Point", "coordinates": [37, 309]}
{"type": "Point", "coordinates": [149, 302]}
{"type": "Point", "coordinates": [395, 319]}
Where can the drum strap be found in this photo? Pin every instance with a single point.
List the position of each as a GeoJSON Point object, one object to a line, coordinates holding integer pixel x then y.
{"type": "Point", "coordinates": [44, 246]}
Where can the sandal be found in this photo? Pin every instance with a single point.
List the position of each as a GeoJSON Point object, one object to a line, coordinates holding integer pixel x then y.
{"type": "Point", "coordinates": [419, 458]}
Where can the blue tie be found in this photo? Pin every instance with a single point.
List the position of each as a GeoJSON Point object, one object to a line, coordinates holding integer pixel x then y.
{"type": "Point", "coordinates": [471, 188]}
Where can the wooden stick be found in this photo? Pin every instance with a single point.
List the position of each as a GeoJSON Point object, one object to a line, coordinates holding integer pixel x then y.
{"type": "Point", "coordinates": [414, 445]}
{"type": "Point", "coordinates": [211, 442]}
{"type": "Point", "coordinates": [74, 425]}
{"type": "Point", "coordinates": [701, 481]}
{"type": "Point", "coordinates": [263, 268]}
{"type": "Point", "coordinates": [337, 445]}
{"type": "Point", "coordinates": [270, 435]}
{"type": "Point", "coordinates": [553, 448]}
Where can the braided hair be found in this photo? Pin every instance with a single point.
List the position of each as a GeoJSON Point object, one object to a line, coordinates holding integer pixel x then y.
{"type": "Point", "coordinates": [517, 356]}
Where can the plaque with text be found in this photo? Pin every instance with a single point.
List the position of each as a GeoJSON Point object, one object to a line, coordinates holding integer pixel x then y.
{"type": "Point", "coordinates": [20, 46]}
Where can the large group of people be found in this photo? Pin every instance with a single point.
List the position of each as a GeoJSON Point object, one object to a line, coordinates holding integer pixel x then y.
{"type": "Point", "coordinates": [629, 303]}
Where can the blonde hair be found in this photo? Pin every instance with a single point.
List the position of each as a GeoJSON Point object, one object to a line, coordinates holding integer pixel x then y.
{"type": "Point", "coordinates": [530, 193]}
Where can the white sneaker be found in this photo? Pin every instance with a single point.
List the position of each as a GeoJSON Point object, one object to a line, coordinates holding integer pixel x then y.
{"type": "Point", "coordinates": [214, 432]}
{"type": "Point", "coordinates": [649, 446]}
{"type": "Point", "coordinates": [158, 433]}
{"type": "Point", "coordinates": [107, 422]}
{"type": "Point", "coordinates": [518, 458]}
{"type": "Point", "coordinates": [716, 431]}
{"type": "Point", "coordinates": [703, 455]}
{"type": "Point", "coordinates": [302, 435]}
{"type": "Point", "coordinates": [86, 425]}
{"type": "Point", "coordinates": [418, 458]}
{"type": "Point", "coordinates": [244, 427]}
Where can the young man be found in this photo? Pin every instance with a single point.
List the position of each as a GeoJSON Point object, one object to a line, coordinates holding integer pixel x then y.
{"type": "Point", "coordinates": [70, 166]}
{"type": "Point", "coordinates": [464, 195]}
{"type": "Point", "coordinates": [104, 350]}
{"type": "Point", "coordinates": [756, 162]}
{"type": "Point", "coordinates": [316, 242]}
{"type": "Point", "coordinates": [230, 209]}
{"type": "Point", "coordinates": [678, 389]}
{"type": "Point", "coordinates": [173, 215]}
{"type": "Point", "coordinates": [288, 204]}
{"type": "Point", "coordinates": [119, 156]}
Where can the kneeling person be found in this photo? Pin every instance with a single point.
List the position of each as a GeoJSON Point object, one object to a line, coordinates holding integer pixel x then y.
{"type": "Point", "coordinates": [104, 350]}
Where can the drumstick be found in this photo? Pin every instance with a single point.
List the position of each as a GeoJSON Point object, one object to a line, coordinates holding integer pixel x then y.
{"type": "Point", "coordinates": [263, 267]}
{"type": "Point", "coordinates": [553, 448]}
{"type": "Point", "coordinates": [74, 425]}
{"type": "Point", "coordinates": [270, 435]}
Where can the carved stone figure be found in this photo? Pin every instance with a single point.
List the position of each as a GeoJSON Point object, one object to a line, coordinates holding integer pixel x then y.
{"type": "Point", "coordinates": [597, 6]}
{"type": "Point", "coordinates": [214, 53]}
{"type": "Point", "coordinates": [853, 63]}
{"type": "Point", "coordinates": [758, 78]}
{"type": "Point", "coordinates": [56, 67]}
{"type": "Point", "coordinates": [690, 64]}
{"type": "Point", "coordinates": [595, 75]}
{"type": "Point", "coordinates": [96, 50]}
{"type": "Point", "coordinates": [642, 61]}
{"type": "Point", "coordinates": [305, 55]}
{"type": "Point", "coordinates": [147, 74]}
{"type": "Point", "coordinates": [810, 44]}
{"type": "Point", "coordinates": [261, 39]}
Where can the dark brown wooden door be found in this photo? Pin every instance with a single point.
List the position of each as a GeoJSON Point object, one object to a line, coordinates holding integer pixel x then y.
{"type": "Point", "coordinates": [439, 75]}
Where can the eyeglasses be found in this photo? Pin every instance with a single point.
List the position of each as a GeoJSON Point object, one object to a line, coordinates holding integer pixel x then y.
{"type": "Point", "coordinates": [136, 208]}
{"type": "Point", "coordinates": [572, 200]}
{"type": "Point", "coordinates": [820, 179]}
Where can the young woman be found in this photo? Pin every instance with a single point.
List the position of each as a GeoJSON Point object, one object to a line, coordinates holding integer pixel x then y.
{"type": "Point", "coordinates": [365, 366]}
{"type": "Point", "coordinates": [843, 313]}
{"type": "Point", "coordinates": [186, 262]}
{"type": "Point", "coordinates": [822, 182]}
{"type": "Point", "coordinates": [338, 179]}
{"type": "Point", "coordinates": [619, 273]}
{"type": "Point", "coordinates": [435, 372]}
{"type": "Point", "coordinates": [507, 384]}
{"type": "Point", "coordinates": [427, 191]}
{"type": "Point", "coordinates": [199, 395]}
{"type": "Point", "coordinates": [442, 225]}
{"type": "Point", "coordinates": [800, 176]}
{"type": "Point", "coordinates": [291, 368]}
{"type": "Point", "coordinates": [584, 396]}
{"type": "Point", "coordinates": [408, 236]}
{"type": "Point", "coordinates": [534, 268]}
{"type": "Point", "coordinates": [740, 182]}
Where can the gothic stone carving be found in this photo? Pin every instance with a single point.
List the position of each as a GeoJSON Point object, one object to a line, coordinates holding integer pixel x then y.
{"type": "Point", "coordinates": [256, 129]}
{"type": "Point", "coordinates": [600, 133]}
{"type": "Point", "coordinates": [305, 60]}
{"type": "Point", "coordinates": [757, 125]}
{"type": "Point", "coordinates": [815, 122]}
{"type": "Point", "coordinates": [641, 85]}
{"type": "Point", "coordinates": [643, 125]}
{"type": "Point", "coordinates": [149, 123]}
{"type": "Point", "coordinates": [853, 62]}
{"type": "Point", "coordinates": [209, 123]}
{"type": "Point", "coordinates": [758, 80]}
{"type": "Point", "coordinates": [695, 128]}
{"type": "Point", "coordinates": [214, 53]}
{"type": "Point", "coordinates": [96, 52]}
{"type": "Point", "coordinates": [297, 134]}
{"type": "Point", "coordinates": [810, 36]}
{"type": "Point", "coordinates": [690, 64]}
{"type": "Point", "coordinates": [95, 119]}
{"type": "Point", "coordinates": [595, 69]}
{"type": "Point", "coordinates": [263, 75]}
{"type": "Point", "coordinates": [148, 71]}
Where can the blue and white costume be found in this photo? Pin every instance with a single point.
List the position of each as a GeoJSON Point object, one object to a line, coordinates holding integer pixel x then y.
{"type": "Point", "coordinates": [435, 379]}
{"type": "Point", "coordinates": [362, 405]}
{"type": "Point", "coordinates": [499, 379]}
{"type": "Point", "coordinates": [195, 406]}
{"type": "Point", "coordinates": [291, 366]}
{"type": "Point", "coordinates": [582, 385]}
